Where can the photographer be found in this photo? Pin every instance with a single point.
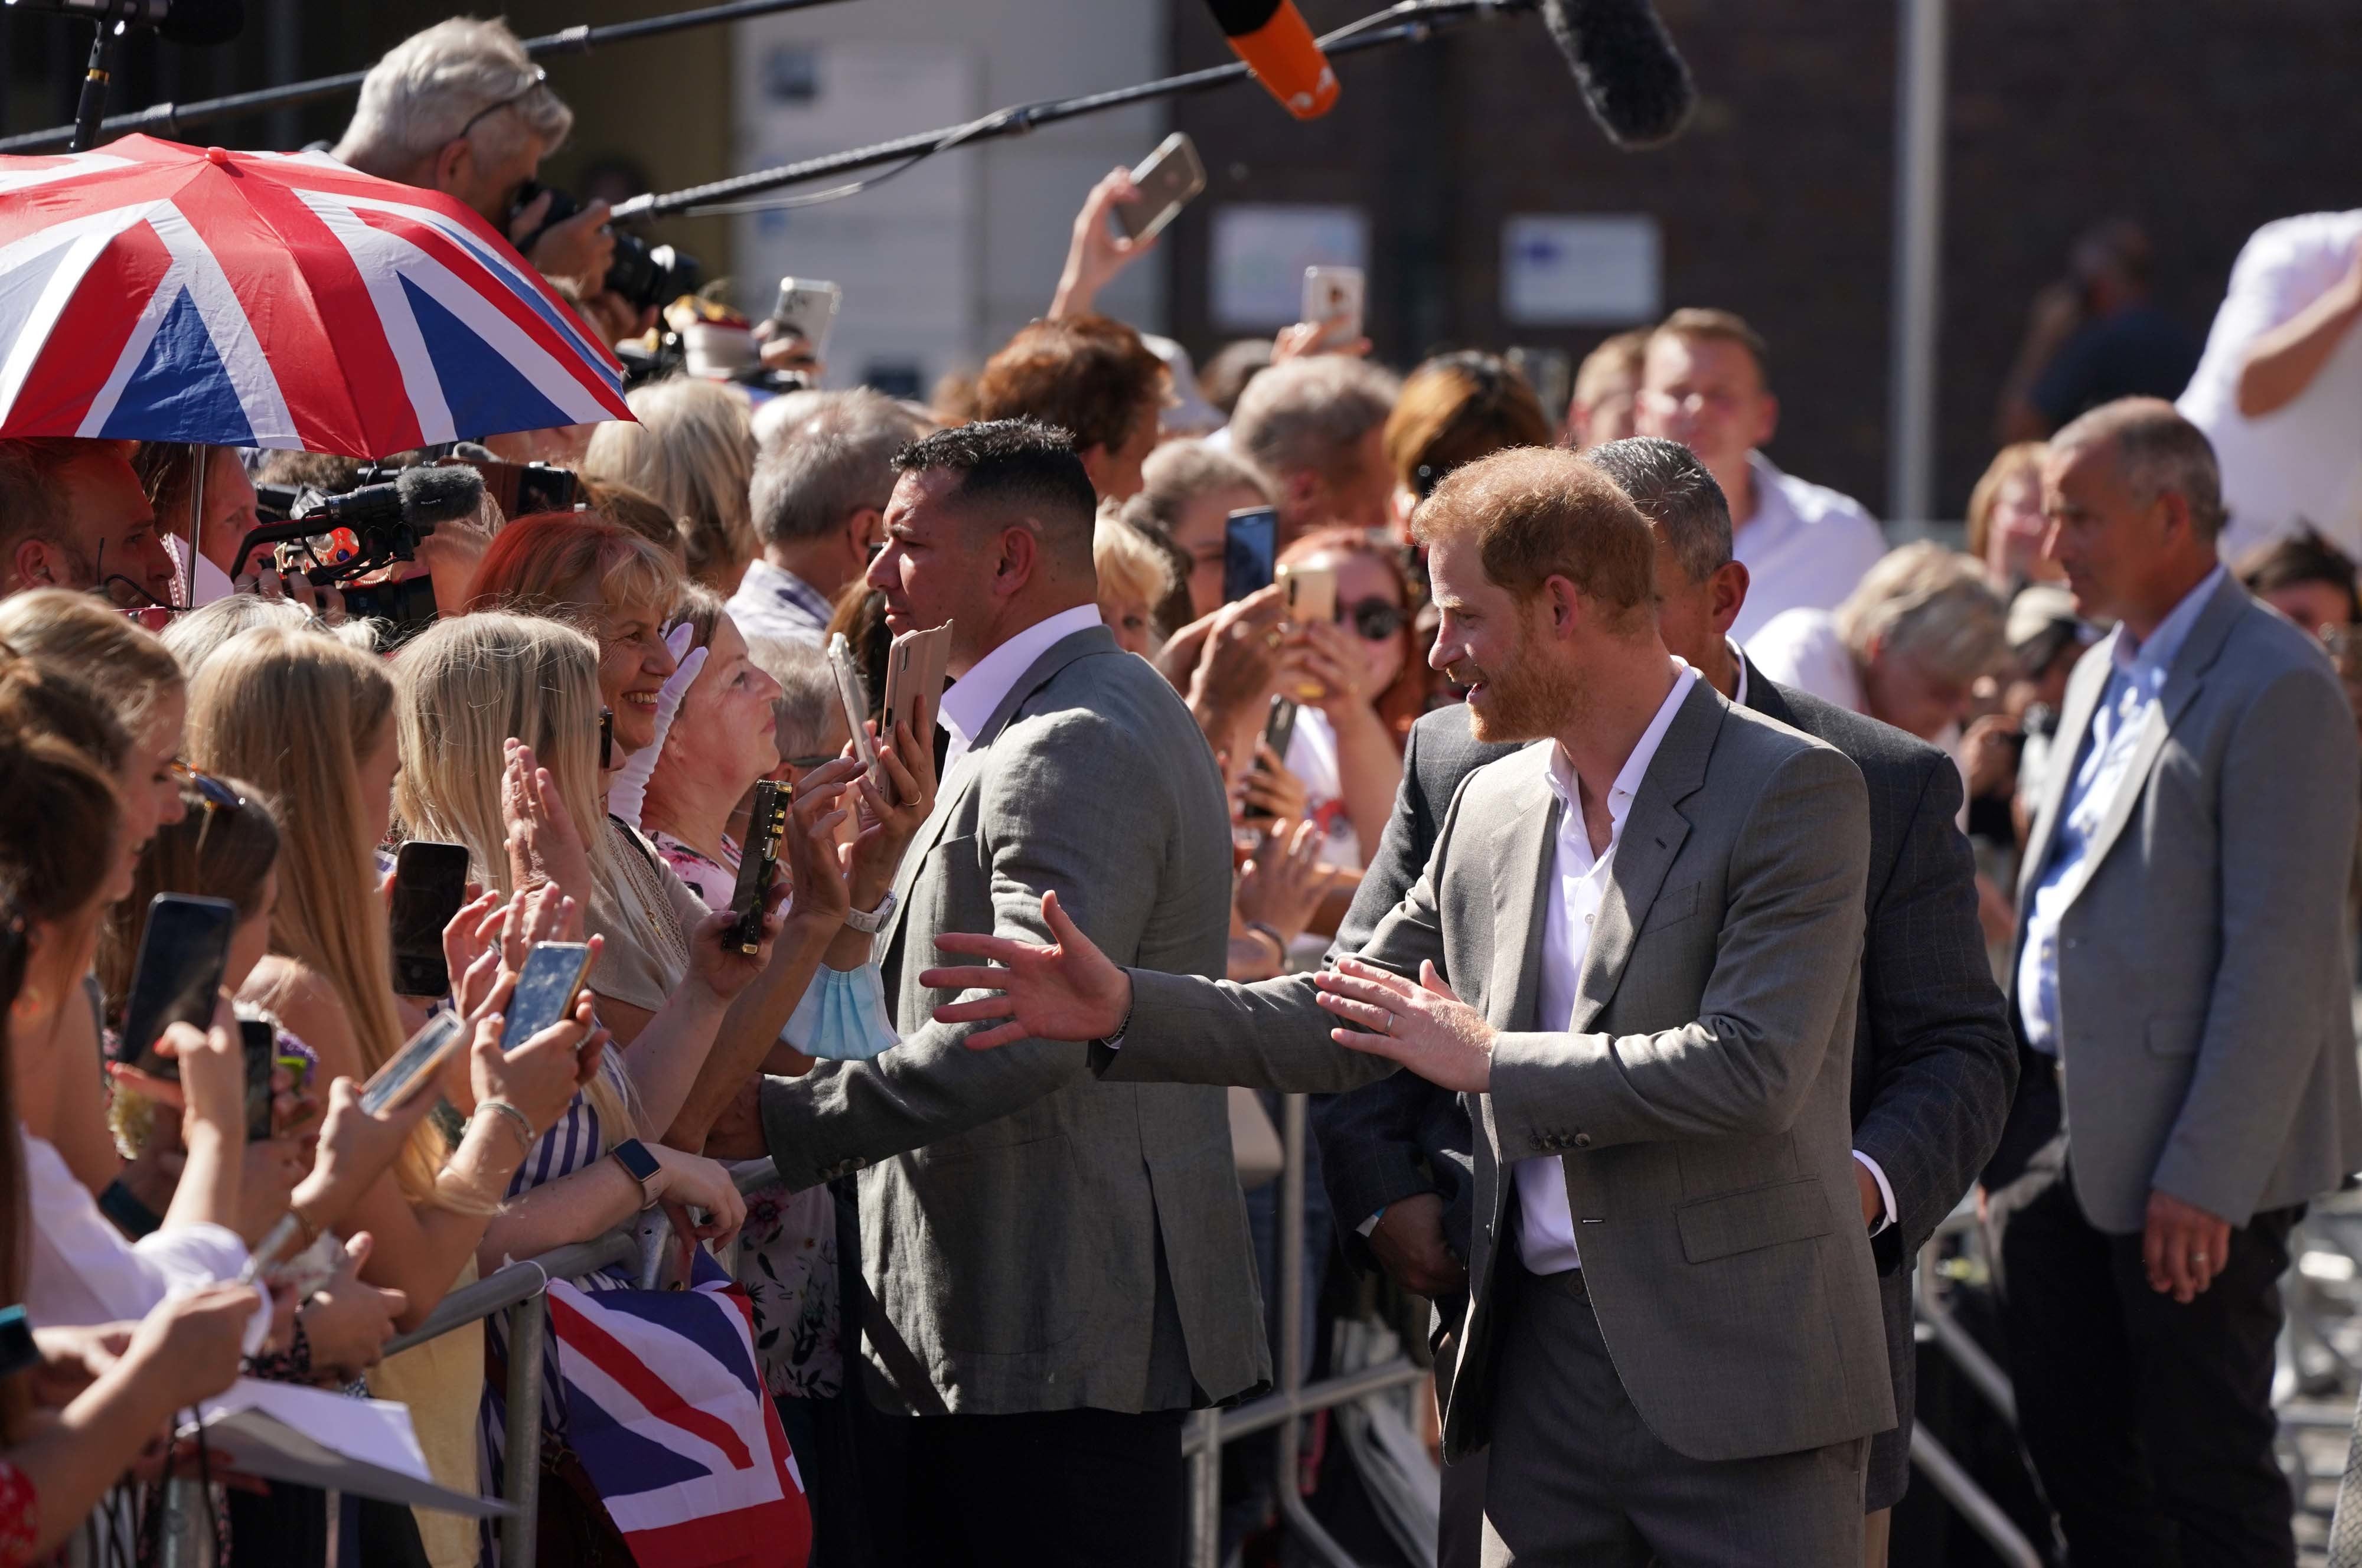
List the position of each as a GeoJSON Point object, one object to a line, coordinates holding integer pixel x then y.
{"type": "Point", "coordinates": [459, 108]}
{"type": "Point", "coordinates": [72, 515]}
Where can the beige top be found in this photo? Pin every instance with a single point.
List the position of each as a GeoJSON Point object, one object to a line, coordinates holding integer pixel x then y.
{"type": "Point", "coordinates": [643, 899]}
{"type": "Point", "coordinates": [442, 1381]}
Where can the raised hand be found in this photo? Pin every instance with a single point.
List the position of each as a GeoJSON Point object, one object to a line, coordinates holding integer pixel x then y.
{"type": "Point", "coordinates": [1283, 884]}
{"type": "Point", "coordinates": [544, 845]}
{"type": "Point", "coordinates": [808, 848]}
{"type": "Point", "coordinates": [1094, 253]}
{"type": "Point", "coordinates": [1069, 990]}
{"type": "Point", "coordinates": [1424, 1027]}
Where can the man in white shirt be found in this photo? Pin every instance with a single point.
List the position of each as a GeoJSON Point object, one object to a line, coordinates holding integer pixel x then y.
{"type": "Point", "coordinates": [1705, 382]}
{"type": "Point", "coordinates": [2278, 390]}
{"type": "Point", "coordinates": [819, 505]}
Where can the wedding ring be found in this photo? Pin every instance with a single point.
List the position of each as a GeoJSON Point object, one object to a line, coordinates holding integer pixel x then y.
{"type": "Point", "coordinates": [1388, 1027]}
{"type": "Point", "coordinates": [1272, 639]}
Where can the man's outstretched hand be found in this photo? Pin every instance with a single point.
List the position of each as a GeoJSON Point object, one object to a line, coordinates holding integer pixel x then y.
{"type": "Point", "coordinates": [1069, 990]}
{"type": "Point", "coordinates": [1423, 1027]}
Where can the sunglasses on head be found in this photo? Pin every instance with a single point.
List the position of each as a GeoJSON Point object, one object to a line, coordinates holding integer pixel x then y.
{"type": "Point", "coordinates": [1375, 619]}
{"type": "Point", "coordinates": [218, 796]}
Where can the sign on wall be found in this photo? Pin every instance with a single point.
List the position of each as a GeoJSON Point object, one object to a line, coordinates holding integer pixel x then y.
{"type": "Point", "coordinates": [1260, 251]}
{"type": "Point", "coordinates": [1581, 269]}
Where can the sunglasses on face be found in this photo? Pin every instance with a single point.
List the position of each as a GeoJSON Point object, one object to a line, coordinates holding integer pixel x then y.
{"type": "Point", "coordinates": [1375, 619]}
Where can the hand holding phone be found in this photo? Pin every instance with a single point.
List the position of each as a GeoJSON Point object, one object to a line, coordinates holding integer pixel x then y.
{"type": "Point", "coordinates": [177, 976]}
{"type": "Point", "coordinates": [756, 862]}
{"type": "Point", "coordinates": [430, 883]}
{"type": "Point", "coordinates": [853, 691]}
{"type": "Point", "coordinates": [1165, 182]}
{"type": "Point", "coordinates": [1333, 300]}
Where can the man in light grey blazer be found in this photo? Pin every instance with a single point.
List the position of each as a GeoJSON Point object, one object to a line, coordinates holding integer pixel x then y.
{"type": "Point", "coordinates": [1673, 1341]}
{"type": "Point", "coordinates": [1059, 1265]}
{"type": "Point", "coordinates": [2183, 995]}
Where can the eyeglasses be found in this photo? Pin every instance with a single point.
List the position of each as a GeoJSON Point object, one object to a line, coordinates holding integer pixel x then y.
{"type": "Point", "coordinates": [540, 79]}
{"type": "Point", "coordinates": [1375, 619]}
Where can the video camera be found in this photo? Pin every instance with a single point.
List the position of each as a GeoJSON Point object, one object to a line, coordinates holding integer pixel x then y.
{"type": "Point", "coordinates": [646, 275]}
{"type": "Point", "coordinates": [343, 537]}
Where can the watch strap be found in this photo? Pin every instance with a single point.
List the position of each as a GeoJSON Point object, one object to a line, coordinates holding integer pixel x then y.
{"type": "Point", "coordinates": [872, 920]}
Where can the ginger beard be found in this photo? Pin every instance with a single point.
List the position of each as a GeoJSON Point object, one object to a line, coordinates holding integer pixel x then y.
{"type": "Point", "coordinates": [1516, 699]}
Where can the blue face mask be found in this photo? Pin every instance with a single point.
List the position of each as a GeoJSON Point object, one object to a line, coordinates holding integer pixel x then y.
{"type": "Point", "coordinates": [842, 1017]}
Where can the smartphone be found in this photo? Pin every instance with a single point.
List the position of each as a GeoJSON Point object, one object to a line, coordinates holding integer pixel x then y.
{"type": "Point", "coordinates": [1334, 298]}
{"type": "Point", "coordinates": [1167, 180]}
{"type": "Point", "coordinates": [420, 1057]}
{"type": "Point", "coordinates": [853, 691]}
{"type": "Point", "coordinates": [260, 1041]}
{"type": "Point", "coordinates": [766, 824]}
{"type": "Point", "coordinates": [545, 989]}
{"type": "Point", "coordinates": [606, 740]}
{"type": "Point", "coordinates": [1250, 541]}
{"type": "Point", "coordinates": [808, 307]}
{"type": "Point", "coordinates": [177, 978]}
{"type": "Point", "coordinates": [1311, 593]}
{"type": "Point", "coordinates": [1278, 732]}
{"type": "Point", "coordinates": [430, 883]}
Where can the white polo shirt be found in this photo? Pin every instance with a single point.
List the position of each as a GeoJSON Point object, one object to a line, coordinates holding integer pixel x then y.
{"type": "Point", "coordinates": [1803, 549]}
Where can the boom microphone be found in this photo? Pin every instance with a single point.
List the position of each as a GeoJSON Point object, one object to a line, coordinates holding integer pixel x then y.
{"type": "Point", "coordinates": [1271, 38]}
{"type": "Point", "coordinates": [1623, 61]}
{"type": "Point", "coordinates": [195, 22]}
{"type": "Point", "coordinates": [425, 494]}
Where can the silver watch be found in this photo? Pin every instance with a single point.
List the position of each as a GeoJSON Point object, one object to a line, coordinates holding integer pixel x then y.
{"type": "Point", "coordinates": [875, 921]}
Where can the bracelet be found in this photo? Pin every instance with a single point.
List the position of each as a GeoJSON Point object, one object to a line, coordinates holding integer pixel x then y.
{"type": "Point", "coordinates": [524, 1128]}
{"type": "Point", "coordinates": [1278, 943]}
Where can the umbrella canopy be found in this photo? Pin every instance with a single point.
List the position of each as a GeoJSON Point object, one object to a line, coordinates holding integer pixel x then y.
{"type": "Point", "coordinates": [163, 292]}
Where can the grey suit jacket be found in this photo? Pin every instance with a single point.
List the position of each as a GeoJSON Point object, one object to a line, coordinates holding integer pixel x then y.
{"type": "Point", "coordinates": [1699, 1100]}
{"type": "Point", "coordinates": [1934, 1060]}
{"type": "Point", "coordinates": [1013, 1204]}
{"type": "Point", "coordinates": [2205, 963]}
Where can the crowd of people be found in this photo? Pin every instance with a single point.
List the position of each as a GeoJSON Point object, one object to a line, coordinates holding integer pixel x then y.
{"type": "Point", "coordinates": [1639, 859]}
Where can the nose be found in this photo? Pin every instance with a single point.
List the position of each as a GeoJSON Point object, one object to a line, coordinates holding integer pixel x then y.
{"type": "Point", "coordinates": [884, 567]}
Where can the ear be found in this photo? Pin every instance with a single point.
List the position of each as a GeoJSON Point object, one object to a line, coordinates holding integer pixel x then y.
{"type": "Point", "coordinates": [454, 160]}
{"type": "Point", "coordinates": [1727, 590]}
{"type": "Point", "coordinates": [29, 565]}
{"type": "Point", "coordinates": [1563, 602]}
{"type": "Point", "coordinates": [860, 528]}
{"type": "Point", "coordinates": [1020, 558]}
{"type": "Point", "coordinates": [1767, 423]}
{"type": "Point", "coordinates": [1302, 491]}
{"type": "Point", "coordinates": [2172, 510]}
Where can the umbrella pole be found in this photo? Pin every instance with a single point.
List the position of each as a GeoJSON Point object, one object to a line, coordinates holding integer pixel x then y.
{"type": "Point", "coordinates": [201, 459]}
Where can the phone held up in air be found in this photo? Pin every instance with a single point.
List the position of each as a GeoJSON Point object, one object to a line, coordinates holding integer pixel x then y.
{"type": "Point", "coordinates": [1167, 179]}
{"type": "Point", "coordinates": [1334, 298]}
{"type": "Point", "coordinates": [1250, 545]}
{"type": "Point", "coordinates": [177, 978]}
{"type": "Point", "coordinates": [767, 823]}
{"type": "Point", "coordinates": [545, 988]}
{"type": "Point", "coordinates": [430, 883]}
{"type": "Point", "coordinates": [807, 308]}
{"type": "Point", "coordinates": [414, 1065]}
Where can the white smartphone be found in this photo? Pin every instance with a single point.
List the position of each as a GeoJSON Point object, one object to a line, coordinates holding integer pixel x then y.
{"type": "Point", "coordinates": [1334, 298]}
{"type": "Point", "coordinates": [807, 308]}
{"type": "Point", "coordinates": [853, 692]}
{"type": "Point", "coordinates": [1167, 179]}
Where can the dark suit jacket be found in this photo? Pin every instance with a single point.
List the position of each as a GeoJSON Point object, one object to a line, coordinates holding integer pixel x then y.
{"type": "Point", "coordinates": [1935, 1063]}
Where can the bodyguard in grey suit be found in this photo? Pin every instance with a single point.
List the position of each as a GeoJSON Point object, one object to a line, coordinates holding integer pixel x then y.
{"type": "Point", "coordinates": [2183, 989]}
{"type": "Point", "coordinates": [1933, 1061]}
{"type": "Point", "coordinates": [1673, 1341]}
{"type": "Point", "coordinates": [1060, 1265]}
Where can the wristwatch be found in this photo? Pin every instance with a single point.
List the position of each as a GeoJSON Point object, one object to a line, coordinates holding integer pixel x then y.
{"type": "Point", "coordinates": [641, 1166]}
{"type": "Point", "coordinates": [875, 921]}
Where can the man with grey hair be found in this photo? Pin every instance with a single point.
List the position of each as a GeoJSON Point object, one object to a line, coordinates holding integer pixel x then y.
{"type": "Point", "coordinates": [819, 508]}
{"type": "Point", "coordinates": [2184, 996]}
{"type": "Point", "coordinates": [1316, 429]}
{"type": "Point", "coordinates": [461, 109]}
{"type": "Point", "coordinates": [1933, 1063]}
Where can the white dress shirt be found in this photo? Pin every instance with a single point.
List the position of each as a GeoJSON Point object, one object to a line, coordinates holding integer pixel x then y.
{"type": "Point", "coordinates": [79, 1270]}
{"type": "Point", "coordinates": [2301, 461]}
{"type": "Point", "coordinates": [1805, 547]}
{"type": "Point", "coordinates": [775, 603]}
{"type": "Point", "coordinates": [2127, 705]}
{"type": "Point", "coordinates": [1578, 887]}
{"type": "Point", "coordinates": [969, 701]}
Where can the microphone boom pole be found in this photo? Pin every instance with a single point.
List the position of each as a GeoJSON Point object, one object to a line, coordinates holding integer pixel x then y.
{"type": "Point", "coordinates": [1412, 21]}
{"type": "Point", "coordinates": [171, 119]}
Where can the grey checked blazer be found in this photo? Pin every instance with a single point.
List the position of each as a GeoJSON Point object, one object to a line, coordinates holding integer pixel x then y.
{"type": "Point", "coordinates": [1012, 1203]}
{"type": "Point", "coordinates": [2205, 965]}
{"type": "Point", "coordinates": [1934, 1061]}
{"type": "Point", "coordinates": [1699, 1100]}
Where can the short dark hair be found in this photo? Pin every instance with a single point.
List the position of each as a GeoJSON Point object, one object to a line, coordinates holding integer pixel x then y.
{"type": "Point", "coordinates": [1016, 466]}
{"type": "Point", "coordinates": [1677, 493]}
{"type": "Point", "coordinates": [2302, 556]}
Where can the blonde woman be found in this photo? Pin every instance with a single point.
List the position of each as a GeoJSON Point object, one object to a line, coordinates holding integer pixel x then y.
{"type": "Point", "coordinates": [311, 722]}
{"type": "Point", "coordinates": [1133, 580]}
{"type": "Point", "coordinates": [693, 450]}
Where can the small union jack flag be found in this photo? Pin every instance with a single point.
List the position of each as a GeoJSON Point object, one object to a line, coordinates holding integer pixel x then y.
{"type": "Point", "coordinates": [158, 292]}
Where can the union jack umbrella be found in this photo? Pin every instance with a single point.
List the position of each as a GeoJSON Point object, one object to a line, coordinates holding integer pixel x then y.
{"type": "Point", "coordinates": [163, 292]}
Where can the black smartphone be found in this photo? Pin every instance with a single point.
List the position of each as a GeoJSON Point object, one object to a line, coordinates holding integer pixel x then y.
{"type": "Point", "coordinates": [430, 883]}
{"type": "Point", "coordinates": [260, 1041]}
{"type": "Point", "coordinates": [177, 976]}
{"type": "Point", "coordinates": [606, 740]}
{"type": "Point", "coordinates": [416, 1063]}
{"type": "Point", "coordinates": [1249, 549]}
{"type": "Point", "coordinates": [545, 989]}
{"type": "Point", "coordinates": [18, 1350]}
{"type": "Point", "coordinates": [766, 824]}
{"type": "Point", "coordinates": [1279, 730]}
